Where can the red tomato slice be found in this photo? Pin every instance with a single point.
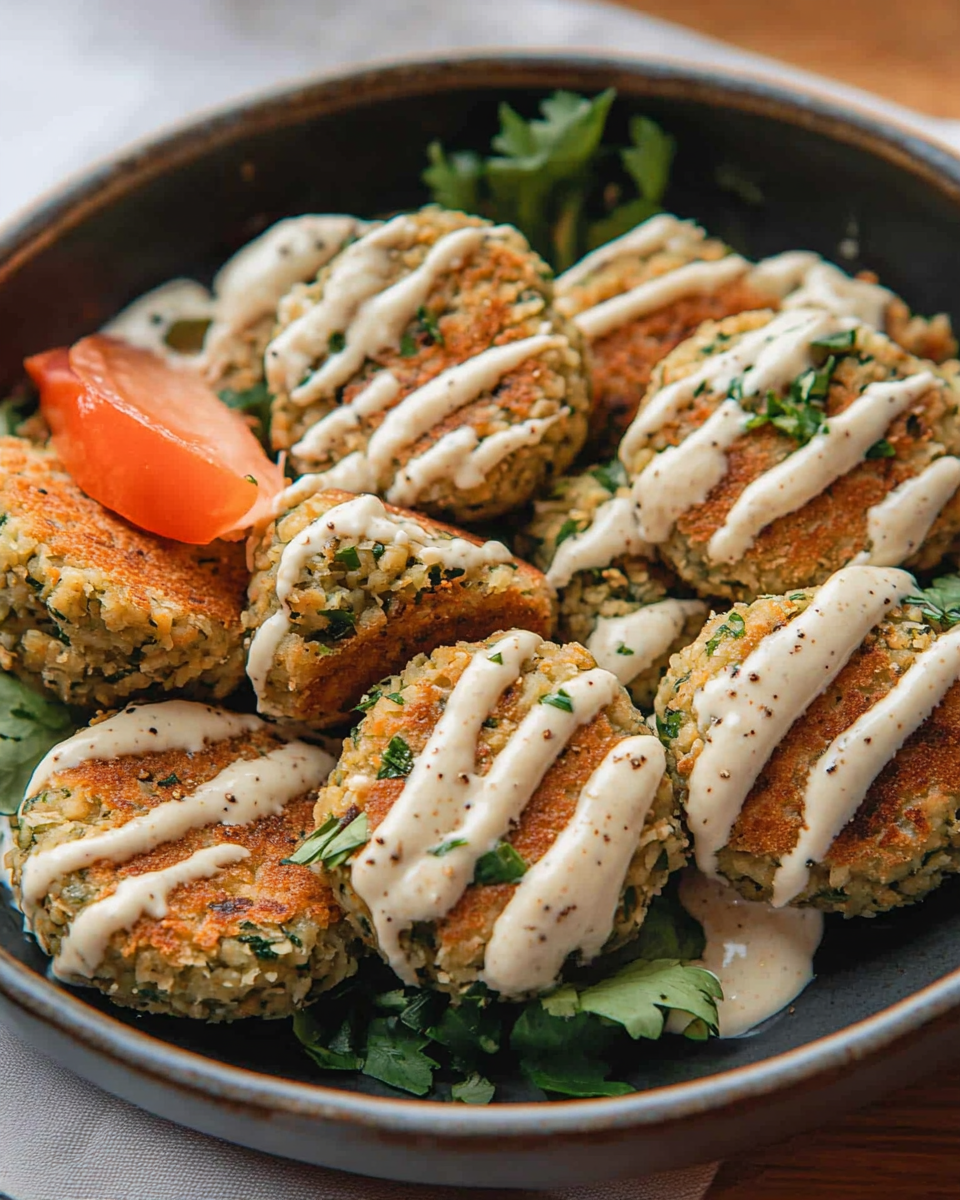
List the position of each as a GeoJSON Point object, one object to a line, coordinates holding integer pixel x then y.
{"type": "Point", "coordinates": [153, 442]}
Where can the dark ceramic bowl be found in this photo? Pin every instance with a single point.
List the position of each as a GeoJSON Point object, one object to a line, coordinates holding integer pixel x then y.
{"type": "Point", "coordinates": [884, 1007]}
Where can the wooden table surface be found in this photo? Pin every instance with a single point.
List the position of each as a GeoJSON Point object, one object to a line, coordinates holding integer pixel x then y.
{"type": "Point", "coordinates": [906, 1147]}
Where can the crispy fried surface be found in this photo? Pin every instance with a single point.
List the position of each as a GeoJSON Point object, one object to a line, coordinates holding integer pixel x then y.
{"type": "Point", "coordinates": [499, 295]}
{"type": "Point", "coordinates": [399, 608]}
{"type": "Point", "coordinates": [904, 838]}
{"type": "Point", "coordinates": [450, 953]}
{"type": "Point", "coordinates": [260, 937]}
{"type": "Point", "coordinates": [99, 609]}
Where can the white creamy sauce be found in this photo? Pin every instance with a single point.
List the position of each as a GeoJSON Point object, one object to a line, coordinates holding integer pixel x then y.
{"type": "Point", "coordinates": [812, 468]}
{"type": "Point", "coordinates": [744, 712]}
{"type": "Point", "coordinates": [682, 476]}
{"type": "Point", "coordinates": [445, 806]}
{"type": "Point", "coordinates": [320, 439]}
{"type": "Point", "coordinates": [781, 274]}
{"type": "Point", "coordinates": [83, 948]}
{"type": "Point", "coordinates": [363, 517]}
{"type": "Point", "coordinates": [778, 351]}
{"type": "Point", "coordinates": [447, 393]}
{"type": "Point", "coordinates": [144, 729]}
{"type": "Point", "coordinates": [566, 902]}
{"type": "Point", "coordinates": [693, 278]}
{"type": "Point", "coordinates": [898, 525]}
{"type": "Point", "coordinates": [841, 777]}
{"type": "Point", "coordinates": [370, 317]}
{"type": "Point", "coordinates": [630, 645]}
{"type": "Point", "coordinates": [495, 447]}
{"type": "Point", "coordinates": [826, 286]}
{"type": "Point", "coordinates": [660, 232]}
{"type": "Point", "coordinates": [147, 321]}
{"type": "Point", "coordinates": [245, 791]}
{"type": "Point", "coordinates": [762, 956]}
{"type": "Point", "coordinates": [614, 531]}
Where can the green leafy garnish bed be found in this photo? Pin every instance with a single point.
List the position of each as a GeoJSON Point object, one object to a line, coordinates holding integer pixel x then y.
{"type": "Point", "coordinates": [565, 1043]}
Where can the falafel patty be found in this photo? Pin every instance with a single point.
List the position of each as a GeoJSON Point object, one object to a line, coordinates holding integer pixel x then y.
{"type": "Point", "coordinates": [814, 741]}
{"type": "Point", "coordinates": [148, 857]}
{"type": "Point", "coordinates": [640, 296]}
{"type": "Point", "coordinates": [773, 449]}
{"type": "Point", "coordinates": [98, 610]}
{"type": "Point", "coordinates": [630, 611]}
{"type": "Point", "coordinates": [426, 364]}
{"type": "Point", "coordinates": [347, 590]}
{"type": "Point", "coordinates": [517, 812]}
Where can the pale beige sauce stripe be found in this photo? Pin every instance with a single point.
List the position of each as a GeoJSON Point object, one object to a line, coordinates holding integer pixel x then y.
{"type": "Point", "coordinates": [898, 525]}
{"type": "Point", "coordinates": [613, 532]}
{"type": "Point", "coordinates": [630, 645]}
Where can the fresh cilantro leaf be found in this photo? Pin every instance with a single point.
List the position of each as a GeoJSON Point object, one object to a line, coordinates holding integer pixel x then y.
{"type": "Point", "coordinates": [500, 865]}
{"type": "Point", "coordinates": [570, 528]}
{"type": "Point", "coordinates": [649, 159]}
{"type": "Point", "coordinates": [396, 697]}
{"type": "Point", "coordinates": [638, 995]}
{"type": "Point", "coordinates": [941, 600]}
{"type": "Point", "coordinates": [395, 1056]}
{"type": "Point", "coordinates": [368, 701]}
{"type": "Point", "coordinates": [565, 1055]}
{"type": "Point", "coordinates": [611, 475]}
{"type": "Point", "coordinates": [468, 1030]}
{"type": "Point", "coordinates": [454, 181]}
{"type": "Point", "coordinates": [844, 340]}
{"type": "Point", "coordinates": [397, 760]}
{"type": "Point", "coordinates": [800, 414]}
{"type": "Point", "coordinates": [668, 931]}
{"type": "Point", "coordinates": [429, 325]}
{"type": "Point", "coordinates": [624, 649]}
{"type": "Point", "coordinates": [446, 847]}
{"type": "Point", "coordinates": [341, 623]}
{"type": "Point", "coordinates": [496, 658]}
{"type": "Point", "coordinates": [668, 726]}
{"type": "Point", "coordinates": [475, 1089]}
{"type": "Point", "coordinates": [261, 946]}
{"type": "Point", "coordinates": [733, 627]}
{"type": "Point", "coordinates": [30, 725]}
{"type": "Point", "coordinates": [334, 841]}
{"type": "Point", "coordinates": [882, 449]}
{"type": "Point", "coordinates": [169, 781]}
{"type": "Point", "coordinates": [349, 557]}
{"type": "Point", "coordinates": [256, 401]}
{"type": "Point", "coordinates": [408, 346]}
{"type": "Point", "coordinates": [559, 699]}
{"type": "Point", "coordinates": [563, 1002]}
{"type": "Point", "coordinates": [331, 1048]}
{"type": "Point", "coordinates": [581, 1079]}
{"type": "Point", "coordinates": [424, 1010]}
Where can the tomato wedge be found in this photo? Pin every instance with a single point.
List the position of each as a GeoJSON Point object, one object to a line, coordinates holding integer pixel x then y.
{"type": "Point", "coordinates": [153, 442]}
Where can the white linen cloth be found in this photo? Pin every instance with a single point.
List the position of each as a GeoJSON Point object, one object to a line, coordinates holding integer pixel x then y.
{"type": "Point", "coordinates": [79, 81]}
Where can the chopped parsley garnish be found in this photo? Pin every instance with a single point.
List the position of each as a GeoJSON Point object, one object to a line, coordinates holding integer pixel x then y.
{"type": "Point", "coordinates": [30, 725]}
{"type": "Point", "coordinates": [255, 402]}
{"type": "Point", "coordinates": [408, 346]}
{"type": "Point", "coordinates": [623, 648]}
{"type": "Point", "coordinates": [496, 658]}
{"type": "Point", "coordinates": [379, 549]}
{"type": "Point", "coordinates": [733, 627]}
{"type": "Point", "coordinates": [429, 325]}
{"type": "Point", "coordinates": [941, 600]}
{"type": "Point", "coordinates": [800, 414]}
{"type": "Point", "coordinates": [668, 726]}
{"type": "Point", "coordinates": [502, 864]}
{"type": "Point", "coordinates": [334, 841]}
{"type": "Point", "coordinates": [170, 780]}
{"type": "Point", "coordinates": [844, 340]}
{"type": "Point", "coordinates": [882, 449]}
{"type": "Point", "coordinates": [395, 697]}
{"type": "Point", "coordinates": [475, 1089]}
{"type": "Point", "coordinates": [395, 1055]}
{"type": "Point", "coordinates": [570, 528]}
{"type": "Point", "coordinates": [340, 623]}
{"type": "Point", "coordinates": [446, 847]}
{"type": "Point", "coordinates": [368, 701]}
{"type": "Point", "coordinates": [611, 475]}
{"type": "Point", "coordinates": [261, 946]}
{"type": "Point", "coordinates": [559, 699]}
{"type": "Point", "coordinates": [552, 177]}
{"type": "Point", "coordinates": [397, 760]}
{"type": "Point", "coordinates": [336, 343]}
{"type": "Point", "coordinates": [349, 556]}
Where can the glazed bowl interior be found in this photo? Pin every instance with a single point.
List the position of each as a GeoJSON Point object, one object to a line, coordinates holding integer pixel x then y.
{"type": "Point", "coordinates": [765, 170]}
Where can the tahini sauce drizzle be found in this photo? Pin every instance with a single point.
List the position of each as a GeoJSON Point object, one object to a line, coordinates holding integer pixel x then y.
{"type": "Point", "coordinates": [244, 791]}
{"type": "Point", "coordinates": [444, 803]}
{"type": "Point", "coordinates": [901, 521]}
{"type": "Point", "coordinates": [83, 948]}
{"type": "Point", "coordinates": [745, 711]}
{"type": "Point", "coordinates": [661, 232]}
{"type": "Point", "coordinates": [630, 645]}
{"type": "Point", "coordinates": [567, 901]}
{"type": "Point", "coordinates": [148, 319]}
{"type": "Point", "coordinates": [363, 517]}
{"type": "Point", "coordinates": [762, 956]}
{"type": "Point", "coordinates": [614, 531]}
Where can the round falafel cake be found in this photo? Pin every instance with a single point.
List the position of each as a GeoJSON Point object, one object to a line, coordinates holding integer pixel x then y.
{"type": "Point", "coordinates": [347, 590]}
{"type": "Point", "coordinates": [512, 814]}
{"type": "Point", "coordinates": [149, 858]}
{"type": "Point", "coordinates": [97, 610]}
{"type": "Point", "coordinates": [773, 449]}
{"type": "Point", "coordinates": [638, 297]}
{"type": "Point", "coordinates": [630, 611]}
{"type": "Point", "coordinates": [814, 741]}
{"type": "Point", "coordinates": [426, 364]}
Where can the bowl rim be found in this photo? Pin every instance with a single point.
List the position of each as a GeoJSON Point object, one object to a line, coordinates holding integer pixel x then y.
{"type": "Point", "coordinates": [28, 231]}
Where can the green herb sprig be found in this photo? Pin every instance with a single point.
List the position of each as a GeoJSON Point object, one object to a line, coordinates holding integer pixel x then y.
{"type": "Point", "coordinates": [30, 725]}
{"type": "Point", "coordinates": [334, 841]}
{"type": "Point", "coordinates": [941, 600]}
